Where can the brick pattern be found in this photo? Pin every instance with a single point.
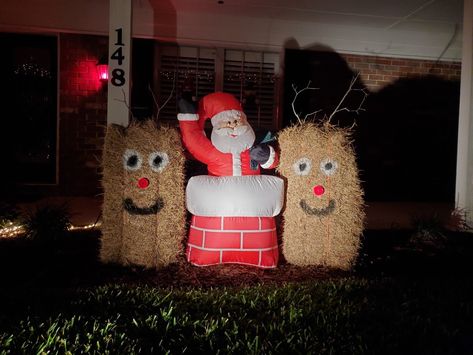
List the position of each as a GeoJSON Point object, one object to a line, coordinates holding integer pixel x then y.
{"type": "Point", "coordinates": [233, 240]}
{"type": "Point", "coordinates": [377, 72]}
{"type": "Point", "coordinates": [82, 113]}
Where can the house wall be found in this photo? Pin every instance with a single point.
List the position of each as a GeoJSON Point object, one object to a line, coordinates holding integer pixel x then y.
{"type": "Point", "coordinates": [82, 104]}
{"type": "Point", "coordinates": [377, 72]}
{"type": "Point", "coordinates": [82, 113]}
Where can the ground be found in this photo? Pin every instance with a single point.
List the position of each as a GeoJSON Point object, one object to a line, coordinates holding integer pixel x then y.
{"type": "Point", "coordinates": [73, 262]}
{"type": "Point", "coordinates": [410, 292]}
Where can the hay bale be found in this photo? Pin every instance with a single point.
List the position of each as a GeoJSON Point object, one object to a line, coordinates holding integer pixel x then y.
{"type": "Point", "coordinates": [142, 226]}
{"type": "Point", "coordinates": [112, 182]}
{"type": "Point", "coordinates": [323, 214]}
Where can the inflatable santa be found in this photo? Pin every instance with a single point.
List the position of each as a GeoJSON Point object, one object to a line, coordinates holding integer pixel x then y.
{"type": "Point", "coordinates": [233, 208]}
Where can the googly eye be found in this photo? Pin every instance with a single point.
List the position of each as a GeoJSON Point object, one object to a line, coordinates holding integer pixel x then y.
{"type": "Point", "coordinates": [158, 161]}
{"type": "Point", "coordinates": [328, 166]}
{"type": "Point", "coordinates": [302, 166]}
{"type": "Point", "coordinates": [132, 160]}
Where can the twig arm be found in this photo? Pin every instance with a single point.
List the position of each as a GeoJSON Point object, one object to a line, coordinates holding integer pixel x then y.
{"type": "Point", "coordinates": [297, 92]}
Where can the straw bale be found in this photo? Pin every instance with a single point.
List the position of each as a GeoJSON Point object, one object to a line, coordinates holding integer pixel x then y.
{"type": "Point", "coordinates": [146, 225]}
{"type": "Point", "coordinates": [112, 182]}
{"type": "Point", "coordinates": [320, 230]}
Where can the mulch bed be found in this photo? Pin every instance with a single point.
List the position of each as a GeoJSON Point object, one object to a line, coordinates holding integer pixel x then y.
{"type": "Point", "coordinates": [74, 263]}
{"type": "Point", "coordinates": [183, 274]}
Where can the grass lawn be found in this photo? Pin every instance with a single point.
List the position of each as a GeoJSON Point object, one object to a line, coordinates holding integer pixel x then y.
{"type": "Point", "coordinates": [402, 298]}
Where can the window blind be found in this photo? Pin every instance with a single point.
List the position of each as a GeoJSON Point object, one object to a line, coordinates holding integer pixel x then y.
{"type": "Point", "coordinates": [251, 77]}
{"type": "Point", "coordinates": [181, 65]}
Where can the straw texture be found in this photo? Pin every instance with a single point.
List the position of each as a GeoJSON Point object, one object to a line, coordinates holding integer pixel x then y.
{"type": "Point", "coordinates": [323, 215]}
{"type": "Point", "coordinates": [142, 225]}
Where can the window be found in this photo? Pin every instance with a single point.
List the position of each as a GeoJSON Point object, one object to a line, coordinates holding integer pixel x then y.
{"type": "Point", "coordinates": [181, 69]}
{"type": "Point", "coordinates": [28, 97]}
{"type": "Point", "coordinates": [249, 75]}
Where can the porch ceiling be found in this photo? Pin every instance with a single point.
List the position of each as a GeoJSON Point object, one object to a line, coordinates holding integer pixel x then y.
{"type": "Point", "coordinates": [416, 15]}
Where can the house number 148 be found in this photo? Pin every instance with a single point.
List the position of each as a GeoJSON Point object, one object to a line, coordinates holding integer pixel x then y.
{"type": "Point", "coordinates": [118, 74]}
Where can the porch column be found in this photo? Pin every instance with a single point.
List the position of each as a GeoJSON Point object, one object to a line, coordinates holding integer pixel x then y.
{"type": "Point", "coordinates": [464, 178]}
{"type": "Point", "coordinates": [119, 62]}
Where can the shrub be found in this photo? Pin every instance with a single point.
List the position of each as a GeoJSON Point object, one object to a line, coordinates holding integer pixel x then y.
{"type": "Point", "coordinates": [459, 220]}
{"type": "Point", "coordinates": [8, 214]}
{"type": "Point", "coordinates": [429, 233]}
{"type": "Point", "coordinates": [47, 223]}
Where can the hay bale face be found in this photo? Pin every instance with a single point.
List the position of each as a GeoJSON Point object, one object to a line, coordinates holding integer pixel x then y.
{"type": "Point", "coordinates": [143, 181]}
{"type": "Point", "coordinates": [323, 216]}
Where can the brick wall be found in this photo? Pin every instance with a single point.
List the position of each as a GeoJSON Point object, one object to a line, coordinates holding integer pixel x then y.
{"type": "Point", "coordinates": [82, 113]}
{"type": "Point", "coordinates": [377, 72]}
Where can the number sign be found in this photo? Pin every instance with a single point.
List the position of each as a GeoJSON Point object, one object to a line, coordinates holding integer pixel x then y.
{"type": "Point", "coordinates": [118, 74]}
{"type": "Point", "coordinates": [119, 60]}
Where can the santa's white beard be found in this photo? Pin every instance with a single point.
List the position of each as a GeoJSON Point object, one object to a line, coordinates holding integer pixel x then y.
{"type": "Point", "coordinates": [224, 142]}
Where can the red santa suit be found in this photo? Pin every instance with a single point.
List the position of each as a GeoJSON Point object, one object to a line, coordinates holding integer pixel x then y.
{"type": "Point", "coordinates": [234, 206]}
{"type": "Point", "coordinates": [217, 106]}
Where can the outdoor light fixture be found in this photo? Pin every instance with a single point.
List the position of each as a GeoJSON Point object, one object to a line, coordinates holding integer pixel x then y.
{"type": "Point", "coordinates": [102, 69]}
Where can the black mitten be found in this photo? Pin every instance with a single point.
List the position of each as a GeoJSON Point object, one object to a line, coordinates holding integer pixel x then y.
{"type": "Point", "coordinates": [186, 106]}
{"type": "Point", "coordinates": [260, 153]}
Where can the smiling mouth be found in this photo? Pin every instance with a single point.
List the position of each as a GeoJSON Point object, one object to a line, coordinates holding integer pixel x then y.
{"type": "Point", "coordinates": [320, 212]}
{"type": "Point", "coordinates": [131, 208]}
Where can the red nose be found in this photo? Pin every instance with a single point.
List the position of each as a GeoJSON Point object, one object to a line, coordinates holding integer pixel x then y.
{"type": "Point", "coordinates": [319, 190]}
{"type": "Point", "coordinates": [143, 183]}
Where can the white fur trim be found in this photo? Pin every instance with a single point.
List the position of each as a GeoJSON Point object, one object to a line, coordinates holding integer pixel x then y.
{"type": "Point", "coordinates": [235, 196]}
{"type": "Point", "coordinates": [272, 156]}
{"type": "Point", "coordinates": [187, 117]}
{"type": "Point", "coordinates": [236, 164]}
{"type": "Point", "coordinates": [227, 115]}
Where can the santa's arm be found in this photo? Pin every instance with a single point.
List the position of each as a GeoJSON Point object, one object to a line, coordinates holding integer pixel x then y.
{"type": "Point", "coordinates": [265, 155]}
{"type": "Point", "coordinates": [194, 138]}
{"type": "Point", "coordinates": [273, 159]}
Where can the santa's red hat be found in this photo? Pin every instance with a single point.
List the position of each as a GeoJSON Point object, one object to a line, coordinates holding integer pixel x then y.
{"type": "Point", "coordinates": [219, 106]}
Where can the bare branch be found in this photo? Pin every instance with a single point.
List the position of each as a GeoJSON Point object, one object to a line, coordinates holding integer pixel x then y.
{"type": "Point", "coordinates": [353, 125]}
{"type": "Point", "coordinates": [126, 104]}
{"type": "Point", "coordinates": [155, 100]}
{"type": "Point", "coordinates": [169, 97]}
{"type": "Point", "coordinates": [337, 109]}
{"type": "Point", "coordinates": [154, 97]}
{"type": "Point", "coordinates": [295, 98]}
{"type": "Point", "coordinates": [350, 89]}
{"type": "Point", "coordinates": [314, 113]}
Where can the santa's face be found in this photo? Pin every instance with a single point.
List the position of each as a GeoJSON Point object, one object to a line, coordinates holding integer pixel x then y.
{"type": "Point", "coordinates": [233, 134]}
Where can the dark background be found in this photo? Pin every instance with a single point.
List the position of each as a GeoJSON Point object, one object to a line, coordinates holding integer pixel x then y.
{"type": "Point", "coordinates": [28, 98]}
{"type": "Point", "coordinates": [406, 137]}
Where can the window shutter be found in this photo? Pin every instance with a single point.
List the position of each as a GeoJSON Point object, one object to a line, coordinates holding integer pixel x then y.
{"type": "Point", "coordinates": [178, 64]}
{"type": "Point", "coordinates": [250, 76]}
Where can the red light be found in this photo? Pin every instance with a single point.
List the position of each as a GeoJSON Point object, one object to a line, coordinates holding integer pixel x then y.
{"type": "Point", "coordinates": [102, 71]}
